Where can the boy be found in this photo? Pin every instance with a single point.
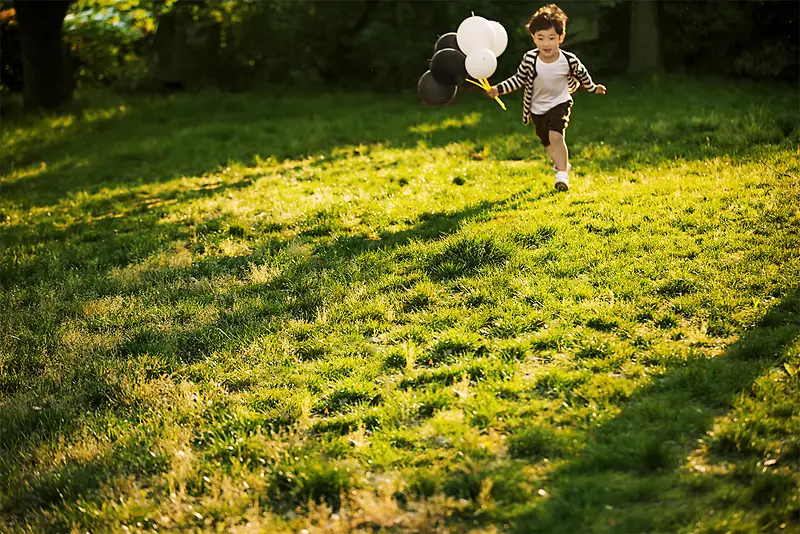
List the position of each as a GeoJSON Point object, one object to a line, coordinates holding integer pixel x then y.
{"type": "Point", "coordinates": [550, 76]}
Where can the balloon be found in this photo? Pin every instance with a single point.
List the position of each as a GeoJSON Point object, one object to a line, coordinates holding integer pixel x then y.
{"type": "Point", "coordinates": [481, 63]}
{"type": "Point", "coordinates": [447, 67]}
{"type": "Point", "coordinates": [500, 38]}
{"type": "Point", "coordinates": [474, 33]}
{"type": "Point", "coordinates": [447, 40]}
{"type": "Point", "coordinates": [434, 94]}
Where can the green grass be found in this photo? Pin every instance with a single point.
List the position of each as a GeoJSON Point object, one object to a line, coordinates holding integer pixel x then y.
{"type": "Point", "coordinates": [346, 311]}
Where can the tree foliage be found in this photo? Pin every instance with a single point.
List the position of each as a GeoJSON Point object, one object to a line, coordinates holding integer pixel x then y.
{"type": "Point", "coordinates": [385, 44]}
{"type": "Point", "coordinates": [106, 40]}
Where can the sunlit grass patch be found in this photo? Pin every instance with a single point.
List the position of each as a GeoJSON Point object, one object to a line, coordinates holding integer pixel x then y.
{"type": "Point", "coordinates": [339, 313]}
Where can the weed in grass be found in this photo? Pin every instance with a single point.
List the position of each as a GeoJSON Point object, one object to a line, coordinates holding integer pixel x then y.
{"type": "Point", "coordinates": [311, 349]}
{"type": "Point", "coordinates": [559, 381]}
{"type": "Point", "coordinates": [435, 400]}
{"type": "Point", "coordinates": [594, 347]}
{"type": "Point", "coordinates": [667, 320]}
{"type": "Point", "coordinates": [676, 287]}
{"type": "Point", "coordinates": [283, 417]}
{"type": "Point", "coordinates": [465, 254]}
{"type": "Point", "coordinates": [349, 396]}
{"type": "Point", "coordinates": [311, 480]}
{"type": "Point", "coordinates": [484, 410]}
{"type": "Point", "coordinates": [467, 482]}
{"type": "Point", "coordinates": [514, 350]}
{"type": "Point", "coordinates": [490, 368]}
{"type": "Point", "coordinates": [605, 388]}
{"type": "Point", "coordinates": [535, 443]}
{"type": "Point", "coordinates": [453, 346]}
{"type": "Point", "coordinates": [424, 484]}
{"type": "Point", "coordinates": [397, 359]}
{"type": "Point", "coordinates": [421, 296]}
{"type": "Point", "coordinates": [478, 299]}
{"type": "Point", "coordinates": [657, 455]}
{"type": "Point", "coordinates": [445, 376]}
{"type": "Point", "coordinates": [719, 327]}
{"type": "Point", "coordinates": [603, 324]}
{"type": "Point", "coordinates": [513, 325]}
{"type": "Point", "coordinates": [340, 425]}
{"type": "Point", "coordinates": [536, 238]}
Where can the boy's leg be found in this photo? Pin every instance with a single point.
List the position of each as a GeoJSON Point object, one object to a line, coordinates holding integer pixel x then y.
{"type": "Point", "coordinates": [558, 120]}
{"type": "Point", "coordinates": [557, 150]}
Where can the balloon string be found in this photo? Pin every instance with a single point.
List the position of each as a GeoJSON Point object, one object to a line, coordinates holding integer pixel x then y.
{"type": "Point", "coordinates": [484, 84]}
{"type": "Point", "coordinates": [488, 86]}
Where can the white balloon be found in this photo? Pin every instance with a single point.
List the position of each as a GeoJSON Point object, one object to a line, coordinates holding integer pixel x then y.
{"type": "Point", "coordinates": [474, 33]}
{"type": "Point", "coordinates": [481, 63]}
{"type": "Point", "coordinates": [500, 38]}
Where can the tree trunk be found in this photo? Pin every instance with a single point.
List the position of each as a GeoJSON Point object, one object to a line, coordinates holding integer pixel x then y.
{"type": "Point", "coordinates": [47, 80]}
{"type": "Point", "coordinates": [645, 51]}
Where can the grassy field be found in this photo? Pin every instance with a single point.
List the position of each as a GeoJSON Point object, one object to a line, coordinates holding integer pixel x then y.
{"type": "Point", "coordinates": [347, 312]}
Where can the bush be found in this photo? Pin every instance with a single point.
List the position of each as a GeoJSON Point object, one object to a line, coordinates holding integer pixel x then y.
{"type": "Point", "coordinates": [108, 43]}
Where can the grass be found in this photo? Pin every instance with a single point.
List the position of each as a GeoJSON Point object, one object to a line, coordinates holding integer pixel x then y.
{"type": "Point", "coordinates": [347, 312]}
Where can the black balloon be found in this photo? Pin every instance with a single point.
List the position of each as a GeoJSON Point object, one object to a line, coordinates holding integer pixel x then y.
{"type": "Point", "coordinates": [448, 67]}
{"type": "Point", "coordinates": [447, 40]}
{"type": "Point", "coordinates": [434, 94]}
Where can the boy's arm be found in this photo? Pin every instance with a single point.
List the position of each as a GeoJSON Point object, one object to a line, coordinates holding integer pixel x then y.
{"type": "Point", "coordinates": [582, 74]}
{"type": "Point", "coordinates": [516, 81]}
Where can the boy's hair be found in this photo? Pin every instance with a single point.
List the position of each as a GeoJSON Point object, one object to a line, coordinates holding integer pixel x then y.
{"type": "Point", "coordinates": [550, 16]}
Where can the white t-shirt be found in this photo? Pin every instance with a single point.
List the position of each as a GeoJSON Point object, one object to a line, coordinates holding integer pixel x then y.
{"type": "Point", "coordinates": [550, 85]}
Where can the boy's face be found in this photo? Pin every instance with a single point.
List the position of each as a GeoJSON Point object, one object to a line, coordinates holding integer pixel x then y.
{"type": "Point", "coordinates": [548, 41]}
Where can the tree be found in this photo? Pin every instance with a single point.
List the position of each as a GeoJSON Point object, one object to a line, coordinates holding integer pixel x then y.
{"type": "Point", "coordinates": [645, 50]}
{"type": "Point", "coordinates": [46, 77]}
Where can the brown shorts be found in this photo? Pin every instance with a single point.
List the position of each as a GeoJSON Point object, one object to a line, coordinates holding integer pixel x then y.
{"type": "Point", "coordinates": [555, 120]}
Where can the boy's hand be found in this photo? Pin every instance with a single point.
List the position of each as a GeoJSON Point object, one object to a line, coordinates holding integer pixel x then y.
{"type": "Point", "coordinates": [493, 92]}
{"type": "Point", "coordinates": [600, 90]}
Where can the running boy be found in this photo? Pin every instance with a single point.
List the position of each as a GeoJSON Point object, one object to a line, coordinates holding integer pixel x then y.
{"type": "Point", "coordinates": [549, 76]}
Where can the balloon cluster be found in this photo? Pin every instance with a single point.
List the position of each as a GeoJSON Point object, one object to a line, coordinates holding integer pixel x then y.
{"type": "Point", "coordinates": [468, 55]}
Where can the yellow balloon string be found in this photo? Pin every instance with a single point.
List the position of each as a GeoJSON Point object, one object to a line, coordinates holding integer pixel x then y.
{"type": "Point", "coordinates": [487, 86]}
{"type": "Point", "coordinates": [484, 84]}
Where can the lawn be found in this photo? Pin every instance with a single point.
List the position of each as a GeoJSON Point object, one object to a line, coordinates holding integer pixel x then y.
{"type": "Point", "coordinates": [346, 312]}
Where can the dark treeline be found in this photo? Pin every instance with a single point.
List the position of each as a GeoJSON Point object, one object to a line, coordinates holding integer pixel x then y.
{"type": "Point", "coordinates": [385, 44]}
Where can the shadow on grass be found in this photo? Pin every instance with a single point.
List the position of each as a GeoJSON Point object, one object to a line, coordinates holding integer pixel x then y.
{"type": "Point", "coordinates": [633, 467]}
{"type": "Point", "coordinates": [159, 139]}
{"type": "Point", "coordinates": [54, 411]}
{"type": "Point", "coordinates": [73, 481]}
{"type": "Point", "coordinates": [107, 241]}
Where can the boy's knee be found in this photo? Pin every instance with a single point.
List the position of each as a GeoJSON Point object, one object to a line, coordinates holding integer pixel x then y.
{"type": "Point", "coordinates": [556, 137]}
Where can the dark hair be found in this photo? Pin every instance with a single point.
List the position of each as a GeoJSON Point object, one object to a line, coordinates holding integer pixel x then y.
{"type": "Point", "coordinates": [550, 16]}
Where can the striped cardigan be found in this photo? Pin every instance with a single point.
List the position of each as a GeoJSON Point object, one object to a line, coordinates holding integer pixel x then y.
{"type": "Point", "coordinates": [526, 73]}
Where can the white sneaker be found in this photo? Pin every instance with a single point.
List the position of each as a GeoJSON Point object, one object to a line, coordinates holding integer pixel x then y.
{"type": "Point", "coordinates": [562, 181]}
{"type": "Point", "coordinates": [569, 167]}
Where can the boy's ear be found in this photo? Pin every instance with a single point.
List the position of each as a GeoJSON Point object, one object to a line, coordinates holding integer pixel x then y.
{"type": "Point", "coordinates": [561, 37]}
